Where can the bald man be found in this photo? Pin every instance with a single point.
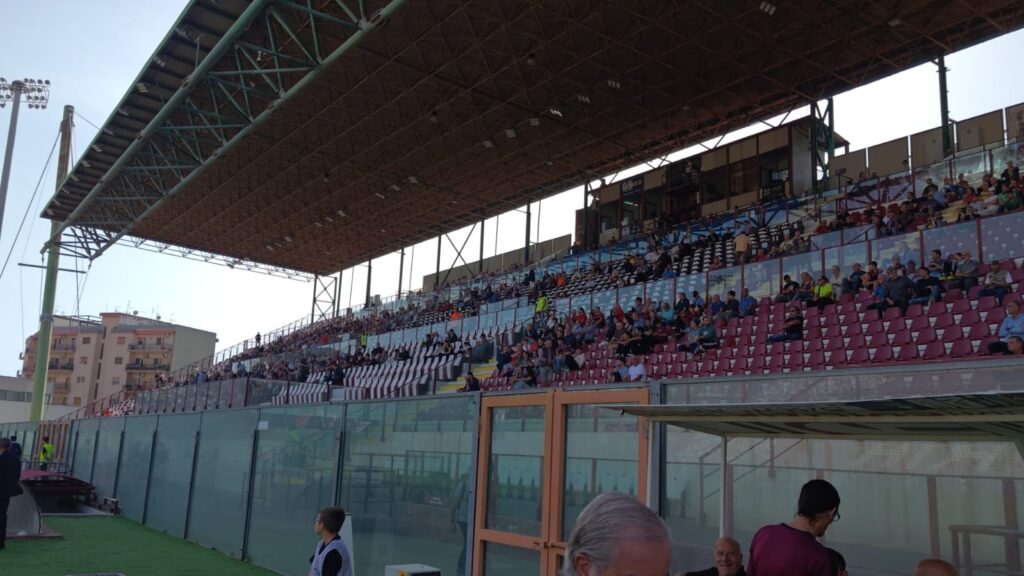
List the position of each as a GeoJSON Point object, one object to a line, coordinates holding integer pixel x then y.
{"type": "Point", "coordinates": [934, 567]}
{"type": "Point", "coordinates": [728, 560]}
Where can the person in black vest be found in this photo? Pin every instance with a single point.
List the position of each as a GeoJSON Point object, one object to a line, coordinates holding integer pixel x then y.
{"type": "Point", "coordinates": [10, 475]}
{"type": "Point", "coordinates": [15, 447]}
{"type": "Point", "coordinates": [728, 560]}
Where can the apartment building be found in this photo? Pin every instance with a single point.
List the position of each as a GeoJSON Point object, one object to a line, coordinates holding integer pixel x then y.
{"type": "Point", "coordinates": [91, 358]}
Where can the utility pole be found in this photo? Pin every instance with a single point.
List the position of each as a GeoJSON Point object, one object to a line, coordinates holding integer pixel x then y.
{"type": "Point", "coordinates": [37, 94]}
{"type": "Point", "coordinates": [50, 282]}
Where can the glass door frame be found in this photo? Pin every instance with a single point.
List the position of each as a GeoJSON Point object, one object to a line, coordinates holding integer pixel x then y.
{"type": "Point", "coordinates": [549, 544]}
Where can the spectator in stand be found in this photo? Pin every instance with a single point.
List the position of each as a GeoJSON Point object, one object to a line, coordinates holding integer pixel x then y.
{"type": "Point", "coordinates": [789, 290]}
{"type": "Point", "coordinates": [873, 278]}
{"type": "Point", "coordinates": [792, 328]}
{"type": "Point", "coordinates": [741, 246]}
{"type": "Point", "coordinates": [854, 281]}
{"type": "Point", "coordinates": [927, 288]}
{"type": "Point", "coordinates": [748, 304]}
{"type": "Point", "coordinates": [996, 283]}
{"type": "Point", "coordinates": [792, 549]}
{"type": "Point", "coordinates": [472, 383]}
{"type": "Point", "coordinates": [637, 371]}
{"type": "Point", "coordinates": [1010, 174]}
{"type": "Point", "coordinates": [695, 299]}
{"type": "Point", "coordinates": [896, 291]}
{"type": "Point", "coordinates": [966, 272]}
{"type": "Point", "coordinates": [835, 277]}
{"type": "Point", "coordinates": [683, 303]}
{"type": "Point", "coordinates": [1014, 346]}
{"type": "Point", "coordinates": [938, 266]}
{"type": "Point", "coordinates": [806, 290]}
{"type": "Point", "coordinates": [822, 294]}
{"type": "Point", "coordinates": [1013, 325]}
{"type": "Point", "coordinates": [728, 560]}
{"type": "Point", "coordinates": [731, 307]}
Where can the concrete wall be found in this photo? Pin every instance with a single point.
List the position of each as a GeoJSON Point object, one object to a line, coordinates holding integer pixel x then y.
{"type": "Point", "coordinates": [11, 411]}
{"type": "Point", "coordinates": [191, 345]}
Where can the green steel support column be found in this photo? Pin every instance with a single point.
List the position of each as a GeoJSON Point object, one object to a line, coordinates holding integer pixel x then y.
{"type": "Point", "coordinates": [526, 248]}
{"type": "Point", "coordinates": [50, 282]}
{"type": "Point", "coordinates": [947, 133]}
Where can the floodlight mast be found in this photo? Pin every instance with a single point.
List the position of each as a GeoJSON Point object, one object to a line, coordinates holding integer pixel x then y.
{"type": "Point", "coordinates": [36, 94]}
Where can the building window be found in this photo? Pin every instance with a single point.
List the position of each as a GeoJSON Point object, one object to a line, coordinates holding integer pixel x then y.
{"type": "Point", "coordinates": [159, 341]}
{"type": "Point", "coordinates": [80, 380]}
{"type": "Point", "coordinates": [116, 381]}
{"type": "Point", "coordinates": [78, 400]}
{"type": "Point", "coordinates": [83, 360]}
{"type": "Point", "coordinates": [86, 340]}
{"type": "Point", "coordinates": [119, 360]}
{"type": "Point", "coordinates": [120, 340]}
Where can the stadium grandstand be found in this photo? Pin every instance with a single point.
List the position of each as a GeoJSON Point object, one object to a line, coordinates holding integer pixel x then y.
{"type": "Point", "coordinates": [719, 329]}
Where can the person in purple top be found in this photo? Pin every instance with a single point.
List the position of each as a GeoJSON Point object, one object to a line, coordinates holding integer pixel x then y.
{"type": "Point", "coordinates": [792, 549]}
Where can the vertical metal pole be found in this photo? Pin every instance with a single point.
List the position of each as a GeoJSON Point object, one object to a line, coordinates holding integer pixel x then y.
{"type": "Point", "coordinates": [480, 266]}
{"type": "Point", "coordinates": [585, 241]}
{"type": "Point", "coordinates": [526, 247]}
{"type": "Point", "coordinates": [412, 267]}
{"type": "Point", "coordinates": [192, 483]}
{"type": "Point", "coordinates": [437, 273]}
{"type": "Point", "coordinates": [249, 487]}
{"type": "Point", "coordinates": [337, 294]}
{"type": "Point", "coordinates": [5, 179]}
{"type": "Point", "coordinates": [947, 135]}
{"type": "Point", "coordinates": [401, 271]}
{"type": "Point", "coordinates": [52, 264]}
{"type": "Point", "coordinates": [312, 310]}
{"type": "Point", "coordinates": [724, 492]}
{"type": "Point", "coordinates": [369, 278]}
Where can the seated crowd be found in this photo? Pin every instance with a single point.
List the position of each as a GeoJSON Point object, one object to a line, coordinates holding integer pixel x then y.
{"type": "Point", "coordinates": [552, 344]}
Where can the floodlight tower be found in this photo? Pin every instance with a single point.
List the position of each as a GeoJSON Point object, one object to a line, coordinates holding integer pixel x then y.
{"type": "Point", "coordinates": [36, 94]}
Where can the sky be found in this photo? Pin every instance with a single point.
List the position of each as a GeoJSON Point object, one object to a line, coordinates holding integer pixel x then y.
{"type": "Point", "coordinates": [91, 52]}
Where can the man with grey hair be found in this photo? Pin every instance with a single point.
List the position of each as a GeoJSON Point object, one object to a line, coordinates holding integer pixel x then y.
{"type": "Point", "coordinates": [616, 535]}
{"type": "Point", "coordinates": [728, 559]}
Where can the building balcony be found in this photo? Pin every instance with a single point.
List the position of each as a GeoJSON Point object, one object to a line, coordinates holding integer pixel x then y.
{"type": "Point", "coordinates": [65, 367]}
{"type": "Point", "coordinates": [63, 347]}
{"type": "Point", "coordinates": [148, 367]}
{"type": "Point", "coordinates": [61, 387]}
{"type": "Point", "coordinates": [165, 347]}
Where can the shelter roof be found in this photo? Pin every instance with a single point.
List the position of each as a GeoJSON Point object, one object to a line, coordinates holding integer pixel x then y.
{"type": "Point", "coordinates": [314, 136]}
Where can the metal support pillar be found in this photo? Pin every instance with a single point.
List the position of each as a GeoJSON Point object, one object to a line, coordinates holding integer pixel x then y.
{"type": "Point", "coordinates": [480, 264]}
{"type": "Point", "coordinates": [526, 248]}
{"type": "Point", "coordinates": [947, 130]}
{"type": "Point", "coordinates": [5, 178]}
{"type": "Point", "coordinates": [369, 278]}
{"type": "Point", "coordinates": [823, 144]}
{"type": "Point", "coordinates": [325, 297]}
{"type": "Point", "coordinates": [50, 281]}
{"type": "Point", "coordinates": [337, 294]}
{"type": "Point", "coordinates": [437, 273]}
{"type": "Point", "coordinates": [401, 271]}
{"type": "Point", "coordinates": [586, 215]}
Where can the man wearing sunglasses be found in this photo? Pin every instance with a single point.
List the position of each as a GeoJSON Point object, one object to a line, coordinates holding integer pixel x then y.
{"type": "Point", "coordinates": [792, 549]}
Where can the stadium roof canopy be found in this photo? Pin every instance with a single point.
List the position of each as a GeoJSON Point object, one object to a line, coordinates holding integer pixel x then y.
{"type": "Point", "coordinates": [313, 135]}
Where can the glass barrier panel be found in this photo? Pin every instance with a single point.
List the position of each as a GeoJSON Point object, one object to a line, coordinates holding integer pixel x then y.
{"type": "Point", "coordinates": [470, 325]}
{"type": "Point", "coordinates": [661, 291]}
{"type": "Point", "coordinates": [133, 469]}
{"type": "Point", "coordinates": [85, 448]}
{"type": "Point", "coordinates": [487, 321]}
{"type": "Point", "coordinates": [829, 240]}
{"type": "Point", "coordinates": [723, 280]}
{"type": "Point", "coordinates": [179, 398]}
{"type": "Point", "coordinates": [108, 450]}
{"type": "Point", "coordinates": [973, 166]}
{"type": "Point", "coordinates": [1013, 152]}
{"type": "Point", "coordinates": [410, 460]}
{"type": "Point", "coordinates": [906, 246]}
{"type": "Point", "coordinates": [934, 174]}
{"type": "Point", "coordinates": [507, 318]}
{"type": "Point", "coordinates": [517, 458]}
{"type": "Point", "coordinates": [600, 456]}
{"type": "Point", "coordinates": [693, 283]}
{"type": "Point", "coordinates": [846, 256]}
{"type": "Point", "coordinates": [562, 307]}
{"type": "Point", "coordinates": [221, 488]}
{"type": "Point", "coordinates": [263, 392]}
{"type": "Point", "coordinates": [604, 300]}
{"type": "Point", "coordinates": [809, 262]}
{"type": "Point", "coordinates": [224, 395]}
{"type": "Point", "coordinates": [950, 240]}
{"type": "Point", "coordinates": [762, 278]}
{"type": "Point", "coordinates": [172, 473]}
{"type": "Point", "coordinates": [689, 500]}
{"type": "Point", "coordinates": [296, 462]}
{"type": "Point", "coordinates": [858, 234]}
{"type": "Point", "coordinates": [1003, 236]}
{"type": "Point", "coordinates": [237, 393]}
{"type": "Point", "coordinates": [895, 188]}
{"type": "Point", "coordinates": [582, 301]}
{"type": "Point", "coordinates": [627, 295]}
{"type": "Point", "coordinates": [525, 314]}
{"type": "Point", "coordinates": [503, 560]}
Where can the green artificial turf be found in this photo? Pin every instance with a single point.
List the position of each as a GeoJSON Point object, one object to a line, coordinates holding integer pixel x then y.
{"type": "Point", "coordinates": [109, 544]}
